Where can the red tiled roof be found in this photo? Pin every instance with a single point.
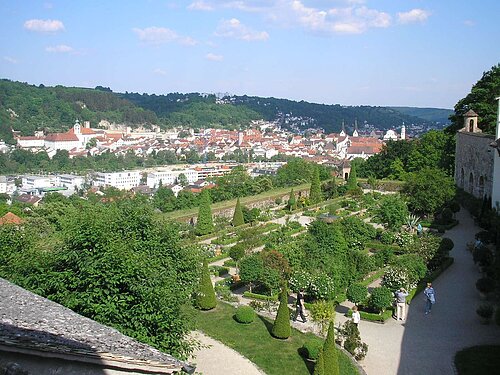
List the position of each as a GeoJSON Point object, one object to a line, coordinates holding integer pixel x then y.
{"type": "Point", "coordinates": [10, 218]}
{"type": "Point", "coordinates": [61, 137]}
{"type": "Point", "coordinates": [85, 131]}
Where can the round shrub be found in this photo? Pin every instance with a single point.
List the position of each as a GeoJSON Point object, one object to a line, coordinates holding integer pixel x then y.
{"type": "Point", "coordinates": [387, 238]}
{"type": "Point", "coordinates": [485, 285]}
{"type": "Point", "coordinates": [356, 293]}
{"type": "Point", "coordinates": [446, 245]}
{"type": "Point", "coordinates": [454, 206]}
{"type": "Point", "coordinates": [312, 347]}
{"type": "Point", "coordinates": [380, 299]}
{"type": "Point", "coordinates": [244, 314]}
{"type": "Point", "coordinates": [447, 215]}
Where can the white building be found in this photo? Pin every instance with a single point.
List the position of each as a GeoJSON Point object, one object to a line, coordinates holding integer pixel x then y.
{"type": "Point", "coordinates": [30, 142]}
{"type": "Point", "coordinates": [495, 196]}
{"type": "Point", "coordinates": [124, 180]}
{"type": "Point", "coordinates": [71, 181]}
{"type": "Point", "coordinates": [7, 186]}
{"type": "Point", "coordinates": [169, 177]}
{"type": "Point", "coordinates": [37, 182]}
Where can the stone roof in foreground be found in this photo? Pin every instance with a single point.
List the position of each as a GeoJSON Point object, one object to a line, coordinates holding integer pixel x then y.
{"type": "Point", "coordinates": [33, 323]}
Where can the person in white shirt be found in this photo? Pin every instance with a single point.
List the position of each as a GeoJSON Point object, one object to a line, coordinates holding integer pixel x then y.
{"type": "Point", "coordinates": [355, 315]}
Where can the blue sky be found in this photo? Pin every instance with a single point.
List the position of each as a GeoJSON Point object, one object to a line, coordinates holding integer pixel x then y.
{"type": "Point", "coordinates": [351, 52]}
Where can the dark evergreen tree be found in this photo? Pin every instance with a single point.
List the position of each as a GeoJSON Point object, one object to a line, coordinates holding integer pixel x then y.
{"type": "Point", "coordinates": [330, 355]}
{"type": "Point", "coordinates": [352, 181]}
{"type": "Point", "coordinates": [292, 201]}
{"type": "Point", "coordinates": [281, 328]}
{"type": "Point", "coordinates": [205, 298]}
{"type": "Point", "coordinates": [205, 224]}
{"type": "Point", "coordinates": [315, 195]}
{"type": "Point", "coordinates": [238, 215]}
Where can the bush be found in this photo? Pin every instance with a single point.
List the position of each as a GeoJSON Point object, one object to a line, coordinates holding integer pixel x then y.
{"type": "Point", "coordinates": [278, 201]}
{"type": "Point", "coordinates": [446, 245]}
{"type": "Point", "coordinates": [281, 327]}
{"type": "Point", "coordinates": [322, 312]}
{"type": "Point", "coordinates": [230, 263]}
{"type": "Point", "coordinates": [485, 285]}
{"type": "Point", "coordinates": [357, 293]}
{"type": "Point", "coordinates": [322, 286]}
{"type": "Point", "coordinates": [312, 347]}
{"type": "Point", "coordinates": [330, 355]}
{"type": "Point", "coordinates": [205, 298]}
{"type": "Point", "coordinates": [387, 238]}
{"type": "Point", "coordinates": [353, 343]}
{"type": "Point", "coordinates": [447, 216]}
{"type": "Point", "coordinates": [244, 315]}
{"type": "Point", "coordinates": [237, 252]}
{"type": "Point", "coordinates": [380, 299]}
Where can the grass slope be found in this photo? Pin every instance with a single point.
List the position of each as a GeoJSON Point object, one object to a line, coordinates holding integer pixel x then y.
{"type": "Point", "coordinates": [273, 356]}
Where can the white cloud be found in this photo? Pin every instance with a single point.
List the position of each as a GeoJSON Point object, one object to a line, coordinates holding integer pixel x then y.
{"type": "Point", "coordinates": [347, 20]}
{"type": "Point", "coordinates": [44, 26]}
{"type": "Point", "coordinates": [200, 5]}
{"type": "Point", "coordinates": [10, 60]}
{"type": "Point", "coordinates": [160, 72]}
{"type": "Point", "coordinates": [469, 23]}
{"type": "Point", "coordinates": [414, 15]}
{"type": "Point", "coordinates": [214, 57]}
{"type": "Point", "coordinates": [161, 35]}
{"type": "Point", "coordinates": [233, 28]}
{"type": "Point", "coordinates": [61, 48]}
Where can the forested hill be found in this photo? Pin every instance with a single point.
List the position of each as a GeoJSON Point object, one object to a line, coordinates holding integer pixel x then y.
{"type": "Point", "coordinates": [27, 108]}
{"type": "Point", "coordinates": [438, 115]}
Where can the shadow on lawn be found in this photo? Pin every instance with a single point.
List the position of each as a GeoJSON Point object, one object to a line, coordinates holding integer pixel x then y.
{"type": "Point", "coordinates": [309, 364]}
{"type": "Point", "coordinates": [267, 323]}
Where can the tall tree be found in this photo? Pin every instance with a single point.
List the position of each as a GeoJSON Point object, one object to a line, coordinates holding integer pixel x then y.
{"type": "Point", "coordinates": [292, 201]}
{"type": "Point", "coordinates": [238, 214]}
{"type": "Point", "coordinates": [315, 195]}
{"type": "Point", "coordinates": [205, 298]}
{"type": "Point", "coordinates": [205, 224]}
{"type": "Point", "coordinates": [319, 368]}
{"type": "Point", "coordinates": [330, 355]}
{"type": "Point", "coordinates": [281, 328]}
{"type": "Point", "coordinates": [352, 181]}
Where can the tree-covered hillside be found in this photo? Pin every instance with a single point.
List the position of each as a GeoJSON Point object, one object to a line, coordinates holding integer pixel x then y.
{"type": "Point", "coordinates": [481, 100]}
{"type": "Point", "coordinates": [430, 114]}
{"type": "Point", "coordinates": [28, 108]}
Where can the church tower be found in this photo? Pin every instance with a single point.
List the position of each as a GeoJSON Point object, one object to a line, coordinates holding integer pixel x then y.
{"type": "Point", "coordinates": [77, 127]}
{"type": "Point", "coordinates": [403, 132]}
{"type": "Point", "coordinates": [342, 132]}
{"type": "Point", "coordinates": [470, 122]}
{"type": "Point", "coordinates": [355, 133]}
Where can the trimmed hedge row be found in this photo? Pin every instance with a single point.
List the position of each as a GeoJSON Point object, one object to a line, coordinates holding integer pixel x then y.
{"type": "Point", "coordinates": [261, 297]}
{"type": "Point", "coordinates": [373, 317]}
{"type": "Point", "coordinates": [377, 246]}
{"type": "Point", "coordinates": [440, 227]}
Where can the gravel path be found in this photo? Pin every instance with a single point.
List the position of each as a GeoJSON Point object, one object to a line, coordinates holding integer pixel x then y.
{"type": "Point", "coordinates": [216, 358]}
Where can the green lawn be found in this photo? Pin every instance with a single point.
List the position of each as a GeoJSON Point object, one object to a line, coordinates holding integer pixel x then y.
{"type": "Point", "coordinates": [478, 360]}
{"type": "Point", "coordinates": [179, 214]}
{"type": "Point", "coordinates": [273, 356]}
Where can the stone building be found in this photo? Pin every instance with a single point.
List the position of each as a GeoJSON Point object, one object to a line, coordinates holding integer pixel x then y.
{"type": "Point", "coordinates": [41, 337]}
{"type": "Point", "coordinates": [496, 170]}
{"type": "Point", "coordinates": [474, 159]}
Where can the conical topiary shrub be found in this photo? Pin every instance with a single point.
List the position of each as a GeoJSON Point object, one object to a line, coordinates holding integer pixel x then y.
{"type": "Point", "coordinates": [330, 356]}
{"type": "Point", "coordinates": [315, 195]}
{"type": "Point", "coordinates": [292, 201]}
{"type": "Point", "coordinates": [205, 298]}
{"type": "Point", "coordinates": [204, 224]}
{"type": "Point", "coordinates": [281, 327]}
{"type": "Point", "coordinates": [319, 368]}
{"type": "Point", "coordinates": [238, 215]}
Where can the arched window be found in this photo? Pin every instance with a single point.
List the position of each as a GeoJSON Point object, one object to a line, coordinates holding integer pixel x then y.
{"type": "Point", "coordinates": [471, 183]}
{"type": "Point", "coordinates": [462, 178]}
{"type": "Point", "coordinates": [471, 125]}
{"type": "Point", "coordinates": [481, 186]}
{"type": "Point", "coordinates": [346, 176]}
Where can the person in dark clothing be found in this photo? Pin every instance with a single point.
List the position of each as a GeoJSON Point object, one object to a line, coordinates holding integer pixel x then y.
{"type": "Point", "coordinates": [300, 306]}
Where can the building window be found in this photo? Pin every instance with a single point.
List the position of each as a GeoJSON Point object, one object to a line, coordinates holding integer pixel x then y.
{"type": "Point", "coordinates": [471, 125]}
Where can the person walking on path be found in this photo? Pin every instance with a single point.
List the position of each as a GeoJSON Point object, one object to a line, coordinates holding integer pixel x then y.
{"type": "Point", "coordinates": [300, 306]}
{"type": "Point", "coordinates": [430, 298]}
{"type": "Point", "coordinates": [401, 295]}
{"type": "Point", "coordinates": [356, 317]}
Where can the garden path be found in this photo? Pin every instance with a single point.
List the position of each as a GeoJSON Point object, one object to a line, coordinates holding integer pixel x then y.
{"type": "Point", "coordinates": [215, 358]}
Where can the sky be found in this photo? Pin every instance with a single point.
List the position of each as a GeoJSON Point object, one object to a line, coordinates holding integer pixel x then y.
{"type": "Point", "coordinates": [422, 53]}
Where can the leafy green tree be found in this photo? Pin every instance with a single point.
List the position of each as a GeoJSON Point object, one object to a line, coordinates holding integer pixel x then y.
{"type": "Point", "coordinates": [319, 367]}
{"type": "Point", "coordinates": [164, 199]}
{"type": "Point", "coordinates": [238, 215]}
{"type": "Point", "coordinates": [357, 293]}
{"type": "Point", "coordinates": [330, 355]}
{"type": "Point", "coordinates": [205, 298]}
{"type": "Point", "coordinates": [392, 211]}
{"type": "Point", "coordinates": [251, 269]}
{"type": "Point", "coordinates": [281, 327]}
{"type": "Point", "coordinates": [482, 100]}
{"type": "Point", "coordinates": [428, 190]}
{"type": "Point", "coordinates": [204, 224]}
{"type": "Point", "coordinates": [315, 195]}
{"type": "Point", "coordinates": [356, 232]}
{"type": "Point", "coordinates": [380, 298]}
{"type": "Point", "coordinates": [435, 149]}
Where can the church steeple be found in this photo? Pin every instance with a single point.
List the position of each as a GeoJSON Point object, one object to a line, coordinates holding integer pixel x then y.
{"type": "Point", "coordinates": [342, 132]}
{"type": "Point", "coordinates": [355, 133]}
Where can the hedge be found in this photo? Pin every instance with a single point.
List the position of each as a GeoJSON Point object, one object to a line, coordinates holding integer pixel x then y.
{"type": "Point", "coordinates": [440, 227]}
{"type": "Point", "coordinates": [217, 257]}
{"type": "Point", "coordinates": [261, 297]}
{"type": "Point", "coordinates": [373, 317]}
{"type": "Point", "coordinates": [378, 246]}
